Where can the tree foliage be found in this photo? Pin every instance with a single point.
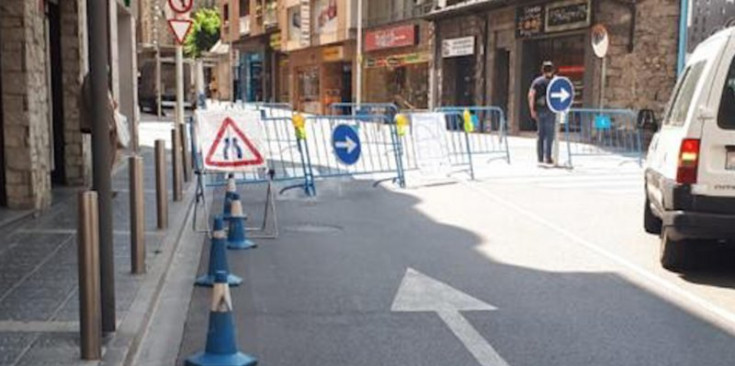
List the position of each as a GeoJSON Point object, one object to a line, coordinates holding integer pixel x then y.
{"type": "Point", "coordinates": [205, 32]}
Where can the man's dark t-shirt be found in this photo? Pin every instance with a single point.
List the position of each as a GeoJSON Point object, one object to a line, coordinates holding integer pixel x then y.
{"type": "Point", "coordinates": [540, 84]}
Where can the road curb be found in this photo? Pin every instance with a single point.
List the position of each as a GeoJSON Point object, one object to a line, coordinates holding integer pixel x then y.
{"type": "Point", "coordinates": [124, 344]}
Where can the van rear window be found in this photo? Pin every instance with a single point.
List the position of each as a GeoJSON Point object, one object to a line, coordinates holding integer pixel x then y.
{"type": "Point", "coordinates": [684, 94]}
{"type": "Point", "coordinates": [726, 115]}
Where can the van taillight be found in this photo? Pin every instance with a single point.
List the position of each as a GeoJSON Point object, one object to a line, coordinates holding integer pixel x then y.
{"type": "Point", "coordinates": [688, 162]}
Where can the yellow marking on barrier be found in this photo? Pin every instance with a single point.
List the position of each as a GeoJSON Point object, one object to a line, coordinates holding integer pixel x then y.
{"type": "Point", "coordinates": [299, 124]}
{"type": "Point", "coordinates": [469, 127]}
{"type": "Point", "coordinates": [401, 124]}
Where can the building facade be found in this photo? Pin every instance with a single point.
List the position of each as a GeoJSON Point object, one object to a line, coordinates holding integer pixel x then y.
{"type": "Point", "coordinates": [488, 52]}
{"type": "Point", "coordinates": [397, 45]}
{"type": "Point", "coordinates": [43, 59]}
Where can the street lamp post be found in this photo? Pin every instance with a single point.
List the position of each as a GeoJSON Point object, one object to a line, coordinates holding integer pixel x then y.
{"type": "Point", "coordinates": [358, 98]}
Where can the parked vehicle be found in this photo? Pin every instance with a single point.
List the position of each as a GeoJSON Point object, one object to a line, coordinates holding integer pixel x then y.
{"type": "Point", "coordinates": [147, 85]}
{"type": "Point", "coordinates": [690, 170]}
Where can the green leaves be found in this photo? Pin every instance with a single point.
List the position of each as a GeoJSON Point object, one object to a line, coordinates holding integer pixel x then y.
{"type": "Point", "coordinates": [205, 32]}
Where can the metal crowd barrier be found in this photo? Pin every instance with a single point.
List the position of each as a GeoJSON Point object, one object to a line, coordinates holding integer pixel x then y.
{"type": "Point", "coordinates": [381, 148]}
{"type": "Point", "coordinates": [597, 132]}
{"type": "Point", "coordinates": [487, 137]}
{"type": "Point", "coordinates": [379, 110]}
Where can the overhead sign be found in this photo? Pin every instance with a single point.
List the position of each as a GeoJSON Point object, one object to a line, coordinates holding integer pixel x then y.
{"type": "Point", "coordinates": [334, 53]}
{"type": "Point", "coordinates": [346, 144]}
{"type": "Point", "coordinates": [529, 21]}
{"type": "Point", "coordinates": [456, 47]}
{"type": "Point", "coordinates": [180, 28]}
{"type": "Point", "coordinates": [231, 141]}
{"type": "Point", "coordinates": [397, 60]}
{"type": "Point", "coordinates": [181, 6]}
{"type": "Point", "coordinates": [567, 15]}
{"type": "Point", "coordinates": [428, 131]}
{"type": "Point", "coordinates": [560, 94]}
{"type": "Point", "coordinates": [600, 40]}
{"type": "Point", "coordinates": [394, 37]}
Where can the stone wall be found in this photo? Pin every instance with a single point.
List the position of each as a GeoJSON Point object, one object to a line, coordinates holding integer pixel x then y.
{"type": "Point", "coordinates": [645, 77]}
{"type": "Point", "coordinates": [73, 62]}
{"type": "Point", "coordinates": [25, 104]}
{"type": "Point", "coordinates": [501, 36]}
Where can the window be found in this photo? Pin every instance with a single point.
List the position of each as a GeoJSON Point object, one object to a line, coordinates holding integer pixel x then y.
{"type": "Point", "coordinates": [226, 13]}
{"type": "Point", "coordinates": [244, 8]}
{"type": "Point", "coordinates": [684, 94]}
{"type": "Point", "coordinates": [726, 115]}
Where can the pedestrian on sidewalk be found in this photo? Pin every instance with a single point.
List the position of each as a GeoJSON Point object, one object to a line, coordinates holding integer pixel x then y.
{"type": "Point", "coordinates": [540, 112]}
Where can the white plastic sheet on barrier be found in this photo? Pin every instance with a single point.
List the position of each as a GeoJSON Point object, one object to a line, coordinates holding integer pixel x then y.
{"type": "Point", "coordinates": [231, 140]}
{"type": "Point", "coordinates": [429, 138]}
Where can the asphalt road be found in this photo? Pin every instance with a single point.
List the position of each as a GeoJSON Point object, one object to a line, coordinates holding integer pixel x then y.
{"type": "Point", "coordinates": [530, 267]}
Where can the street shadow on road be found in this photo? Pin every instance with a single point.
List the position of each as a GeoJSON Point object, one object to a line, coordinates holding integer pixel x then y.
{"type": "Point", "coordinates": [323, 297]}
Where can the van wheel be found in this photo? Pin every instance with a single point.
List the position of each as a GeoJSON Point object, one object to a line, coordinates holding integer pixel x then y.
{"type": "Point", "coordinates": [674, 253]}
{"type": "Point", "coordinates": [651, 223]}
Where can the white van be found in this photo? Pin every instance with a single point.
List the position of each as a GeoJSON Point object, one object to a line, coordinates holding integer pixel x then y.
{"type": "Point", "coordinates": [690, 169]}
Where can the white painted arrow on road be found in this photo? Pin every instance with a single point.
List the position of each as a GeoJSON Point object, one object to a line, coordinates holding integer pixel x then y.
{"type": "Point", "coordinates": [346, 144]}
{"type": "Point", "coordinates": [421, 293]}
{"type": "Point", "coordinates": [563, 95]}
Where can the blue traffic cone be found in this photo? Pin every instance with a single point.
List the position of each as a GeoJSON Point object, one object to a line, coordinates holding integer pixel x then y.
{"type": "Point", "coordinates": [218, 257]}
{"type": "Point", "coordinates": [221, 349]}
{"type": "Point", "coordinates": [230, 195]}
{"type": "Point", "coordinates": [236, 235]}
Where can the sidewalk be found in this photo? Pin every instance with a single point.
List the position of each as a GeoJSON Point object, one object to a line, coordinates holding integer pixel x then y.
{"type": "Point", "coordinates": [39, 304]}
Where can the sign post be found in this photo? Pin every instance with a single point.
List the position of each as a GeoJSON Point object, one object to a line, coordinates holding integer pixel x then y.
{"type": "Point", "coordinates": [559, 98]}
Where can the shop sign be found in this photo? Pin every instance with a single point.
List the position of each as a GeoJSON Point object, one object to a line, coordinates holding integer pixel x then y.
{"type": "Point", "coordinates": [566, 15]}
{"type": "Point", "coordinates": [331, 54]}
{"type": "Point", "coordinates": [394, 61]}
{"type": "Point", "coordinates": [275, 41]}
{"type": "Point", "coordinates": [529, 21]}
{"type": "Point", "coordinates": [456, 47]}
{"type": "Point", "coordinates": [400, 36]}
{"type": "Point", "coordinates": [304, 22]}
{"type": "Point", "coordinates": [325, 16]}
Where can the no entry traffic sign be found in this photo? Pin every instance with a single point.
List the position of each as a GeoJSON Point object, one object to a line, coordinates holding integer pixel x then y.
{"type": "Point", "coordinates": [181, 6]}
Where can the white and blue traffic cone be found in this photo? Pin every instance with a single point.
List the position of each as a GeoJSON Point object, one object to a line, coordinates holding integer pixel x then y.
{"type": "Point", "coordinates": [237, 234]}
{"type": "Point", "coordinates": [221, 348]}
{"type": "Point", "coordinates": [218, 257]}
{"type": "Point", "coordinates": [230, 195]}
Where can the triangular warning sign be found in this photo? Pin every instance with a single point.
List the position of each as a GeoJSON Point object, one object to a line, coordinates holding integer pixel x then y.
{"type": "Point", "coordinates": [230, 147]}
{"type": "Point", "coordinates": [180, 28]}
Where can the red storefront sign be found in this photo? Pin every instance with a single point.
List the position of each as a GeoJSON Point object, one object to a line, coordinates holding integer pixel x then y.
{"type": "Point", "coordinates": [400, 36]}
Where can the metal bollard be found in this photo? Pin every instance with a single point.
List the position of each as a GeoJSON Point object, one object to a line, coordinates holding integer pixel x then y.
{"type": "Point", "coordinates": [186, 153]}
{"type": "Point", "coordinates": [137, 216]}
{"type": "Point", "coordinates": [161, 185]}
{"type": "Point", "coordinates": [90, 311]}
{"type": "Point", "coordinates": [176, 162]}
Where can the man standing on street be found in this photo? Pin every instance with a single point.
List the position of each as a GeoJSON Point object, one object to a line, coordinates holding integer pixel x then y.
{"type": "Point", "coordinates": [545, 118]}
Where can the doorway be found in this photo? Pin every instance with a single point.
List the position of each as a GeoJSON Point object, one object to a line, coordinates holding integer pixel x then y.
{"type": "Point", "coordinates": [501, 79]}
{"type": "Point", "coordinates": [58, 174]}
{"type": "Point", "coordinates": [465, 86]}
{"type": "Point", "coordinates": [568, 55]}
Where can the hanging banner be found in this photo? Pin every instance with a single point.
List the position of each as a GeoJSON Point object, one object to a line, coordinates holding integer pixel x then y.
{"type": "Point", "coordinates": [231, 141]}
{"type": "Point", "coordinates": [429, 138]}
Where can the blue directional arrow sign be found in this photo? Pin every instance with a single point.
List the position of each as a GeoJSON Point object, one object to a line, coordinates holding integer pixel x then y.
{"type": "Point", "coordinates": [560, 94]}
{"type": "Point", "coordinates": [346, 144]}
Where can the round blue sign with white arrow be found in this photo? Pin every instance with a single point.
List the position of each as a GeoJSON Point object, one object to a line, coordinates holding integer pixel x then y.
{"type": "Point", "coordinates": [560, 94]}
{"type": "Point", "coordinates": [346, 143]}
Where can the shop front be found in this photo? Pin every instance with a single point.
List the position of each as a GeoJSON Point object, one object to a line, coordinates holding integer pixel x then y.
{"type": "Point", "coordinates": [322, 76]}
{"type": "Point", "coordinates": [397, 66]}
{"type": "Point", "coordinates": [557, 32]}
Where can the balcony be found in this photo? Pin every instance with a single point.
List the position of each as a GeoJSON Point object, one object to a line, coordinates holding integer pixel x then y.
{"type": "Point", "coordinates": [245, 25]}
{"type": "Point", "coordinates": [270, 16]}
{"type": "Point", "coordinates": [410, 12]}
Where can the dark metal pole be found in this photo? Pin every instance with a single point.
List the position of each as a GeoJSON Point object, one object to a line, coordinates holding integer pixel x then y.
{"type": "Point", "coordinates": [161, 185]}
{"type": "Point", "coordinates": [89, 277]}
{"type": "Point", "coordinates": [97, 20]}
{"type": "Point", "coordinates": [177, 166]}
{"type": "Point", "coordinates": [137, 216]}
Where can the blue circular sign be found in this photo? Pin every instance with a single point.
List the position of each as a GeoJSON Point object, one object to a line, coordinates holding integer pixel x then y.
{"type": "Point", "coordinates": [346, 144]}
{"type": "Point", "coordinates": [560, 94]}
